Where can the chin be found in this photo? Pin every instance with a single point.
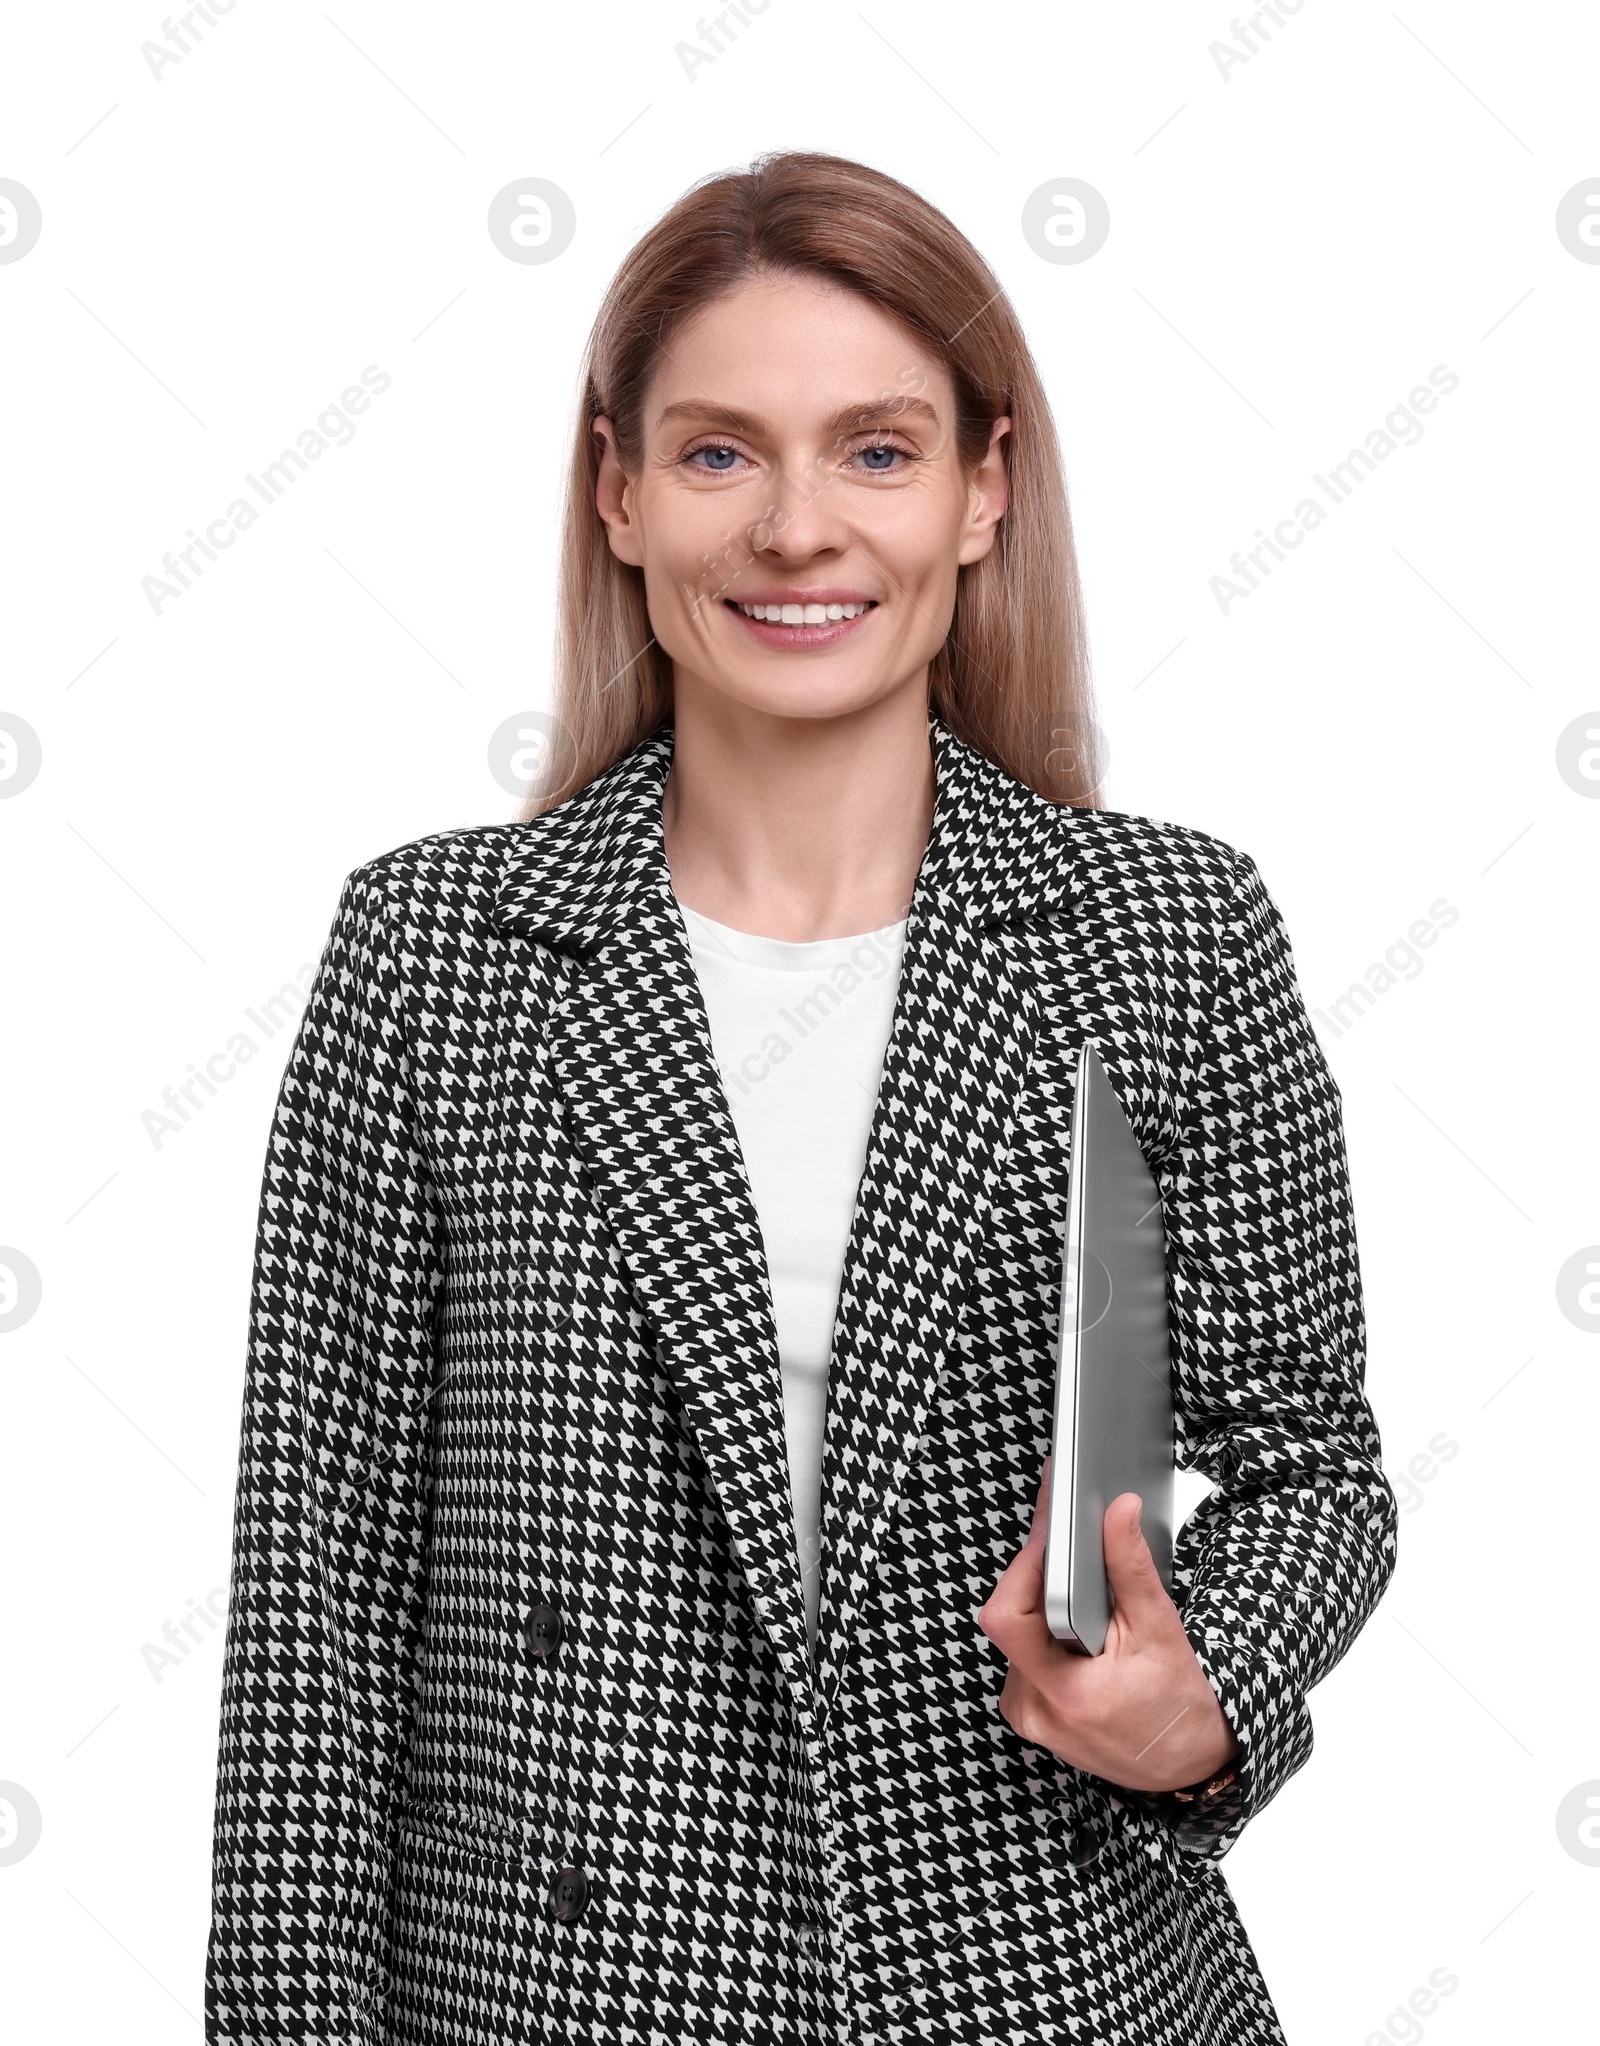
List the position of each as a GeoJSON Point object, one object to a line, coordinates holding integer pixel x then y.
{"type": "Point", "coordinates": [815, 696]}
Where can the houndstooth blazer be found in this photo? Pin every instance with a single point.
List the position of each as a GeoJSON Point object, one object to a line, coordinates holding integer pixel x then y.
{"type": "Point", "coordinates": [521, 1736]}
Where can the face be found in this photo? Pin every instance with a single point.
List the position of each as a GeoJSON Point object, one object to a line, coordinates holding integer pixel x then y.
{"type": "Point", "coordinates": [799, 511]}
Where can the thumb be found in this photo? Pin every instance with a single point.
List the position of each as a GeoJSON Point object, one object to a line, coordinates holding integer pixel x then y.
{"type": "Point", "coordinates": [1140, 1596]}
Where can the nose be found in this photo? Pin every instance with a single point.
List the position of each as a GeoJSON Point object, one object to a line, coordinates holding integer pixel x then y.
{"type": "Point", "coordinates": [809, 518]}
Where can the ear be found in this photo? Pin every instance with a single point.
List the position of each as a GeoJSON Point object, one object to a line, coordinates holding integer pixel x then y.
{"type": "Point", "coordinates": [613, 496]}
{"type": "Point", "coordinates": [988, 494]}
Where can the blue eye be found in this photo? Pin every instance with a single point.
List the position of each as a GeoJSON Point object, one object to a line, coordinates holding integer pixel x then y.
{"type": "Point", "coordinates": [716, 458]}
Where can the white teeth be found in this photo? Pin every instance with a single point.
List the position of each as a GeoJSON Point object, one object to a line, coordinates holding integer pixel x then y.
{"type": "Point", "coordinates": [802, 614]}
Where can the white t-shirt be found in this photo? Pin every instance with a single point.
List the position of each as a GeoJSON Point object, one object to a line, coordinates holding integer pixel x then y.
{"type": "Point", "coordinates": [799, 1032]}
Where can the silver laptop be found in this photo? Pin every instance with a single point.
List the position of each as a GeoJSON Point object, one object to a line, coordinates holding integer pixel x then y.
{"type": "Point", "coordinates": [1113, 1409]}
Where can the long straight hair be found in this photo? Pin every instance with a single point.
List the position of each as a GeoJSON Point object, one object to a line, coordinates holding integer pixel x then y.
{"type": "Point", "coordinates": [1012, 677]}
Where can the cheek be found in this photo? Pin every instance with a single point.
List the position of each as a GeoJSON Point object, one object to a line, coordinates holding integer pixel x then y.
{"type": "Point", "coordinates": [691, 541]}
{"type": "Point", "coordinates": [915, 536]}
{"type": "Point", "coordinates": [676, 563]}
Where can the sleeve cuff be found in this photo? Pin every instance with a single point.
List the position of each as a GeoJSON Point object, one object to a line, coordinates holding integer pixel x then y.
{"type": "Point", "coordinates": [1273, 1729]}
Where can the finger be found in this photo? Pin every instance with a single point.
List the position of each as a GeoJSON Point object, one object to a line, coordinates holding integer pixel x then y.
{"type": "Point", "coordinates": [1013, 1618]}
{"type": "Point", "coordinates": [1013, 1614]}
{"type": "Point", "coordinates": [1140, 1596]}
{"type": "Point", "coordinates": [1020, 1586]}
{"type": "Point", "coordinates": [1023, 1709]}
{"type": "Point", "coordinates": [1018, 1595]}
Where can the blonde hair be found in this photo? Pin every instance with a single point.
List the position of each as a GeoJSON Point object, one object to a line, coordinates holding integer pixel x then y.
{"type": "Point", "coordinates": [1012, 678]}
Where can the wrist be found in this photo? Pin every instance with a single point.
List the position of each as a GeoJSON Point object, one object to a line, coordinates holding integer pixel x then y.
{"type": "Point", "coordinates": [1205, 1773]}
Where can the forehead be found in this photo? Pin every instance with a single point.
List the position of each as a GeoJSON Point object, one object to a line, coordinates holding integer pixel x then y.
{"type": "Point", "coordinates": [794, 348]}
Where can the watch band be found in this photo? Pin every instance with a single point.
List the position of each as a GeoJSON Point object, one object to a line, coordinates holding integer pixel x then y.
{"type": "Point", "coordinates": [1212, 1788]}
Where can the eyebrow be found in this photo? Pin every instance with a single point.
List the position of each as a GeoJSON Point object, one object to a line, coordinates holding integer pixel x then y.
{"type": "Point", "coordinates": [847, 418]}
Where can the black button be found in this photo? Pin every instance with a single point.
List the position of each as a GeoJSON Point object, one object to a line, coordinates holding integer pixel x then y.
{"type": "Point", "coordinates": [543, 1632]}
{"type": "Point", "coordinates": [1082, 1848]}
{"type": "Point", "coordinates": [569, 1892]}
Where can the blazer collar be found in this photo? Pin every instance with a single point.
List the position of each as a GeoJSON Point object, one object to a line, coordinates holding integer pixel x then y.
{"type": "Point", "coordinates": [996, 850]}
{"type": "Point", "coordinates": [627, 1042]}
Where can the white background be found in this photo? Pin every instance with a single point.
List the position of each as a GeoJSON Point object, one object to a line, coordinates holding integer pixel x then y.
{"type": "Point", "coordinates": [1292, 250]}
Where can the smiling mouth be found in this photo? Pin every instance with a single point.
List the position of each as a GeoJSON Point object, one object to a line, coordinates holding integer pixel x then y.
{"type": "Point", "coordinates": [803, 614]}
{"type": "Point", "coordinates": [800, 624]}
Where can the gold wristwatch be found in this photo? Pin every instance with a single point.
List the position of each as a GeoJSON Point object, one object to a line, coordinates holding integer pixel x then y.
{"type": "Point", "coordinates": [1212, 1788]}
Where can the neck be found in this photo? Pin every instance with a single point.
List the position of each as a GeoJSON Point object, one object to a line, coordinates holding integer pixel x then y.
{"type": "Point", "coordinates": [795, 827]}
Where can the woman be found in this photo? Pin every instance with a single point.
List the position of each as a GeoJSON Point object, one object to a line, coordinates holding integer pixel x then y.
{"type": "Point", "coordinates": [635, 1628]}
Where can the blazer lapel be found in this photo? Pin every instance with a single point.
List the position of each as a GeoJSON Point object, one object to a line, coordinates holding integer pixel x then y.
{"type": "Point", "coordinates": [630, 1046]}
{"type": "Point", "coordinates": [628, 1039]}
{"type": "Point", "coordinates": [965, 1025]}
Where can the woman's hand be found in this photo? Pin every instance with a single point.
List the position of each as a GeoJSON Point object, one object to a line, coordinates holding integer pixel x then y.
{"type": "Point", "coordinates": [1143, 1713]}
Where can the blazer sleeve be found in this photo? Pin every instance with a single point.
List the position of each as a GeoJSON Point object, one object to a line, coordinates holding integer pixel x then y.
{"type": "Point", "coordinates": [1279, 1568]}
{"type": "Point", "coordinates": [330, 1515]}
